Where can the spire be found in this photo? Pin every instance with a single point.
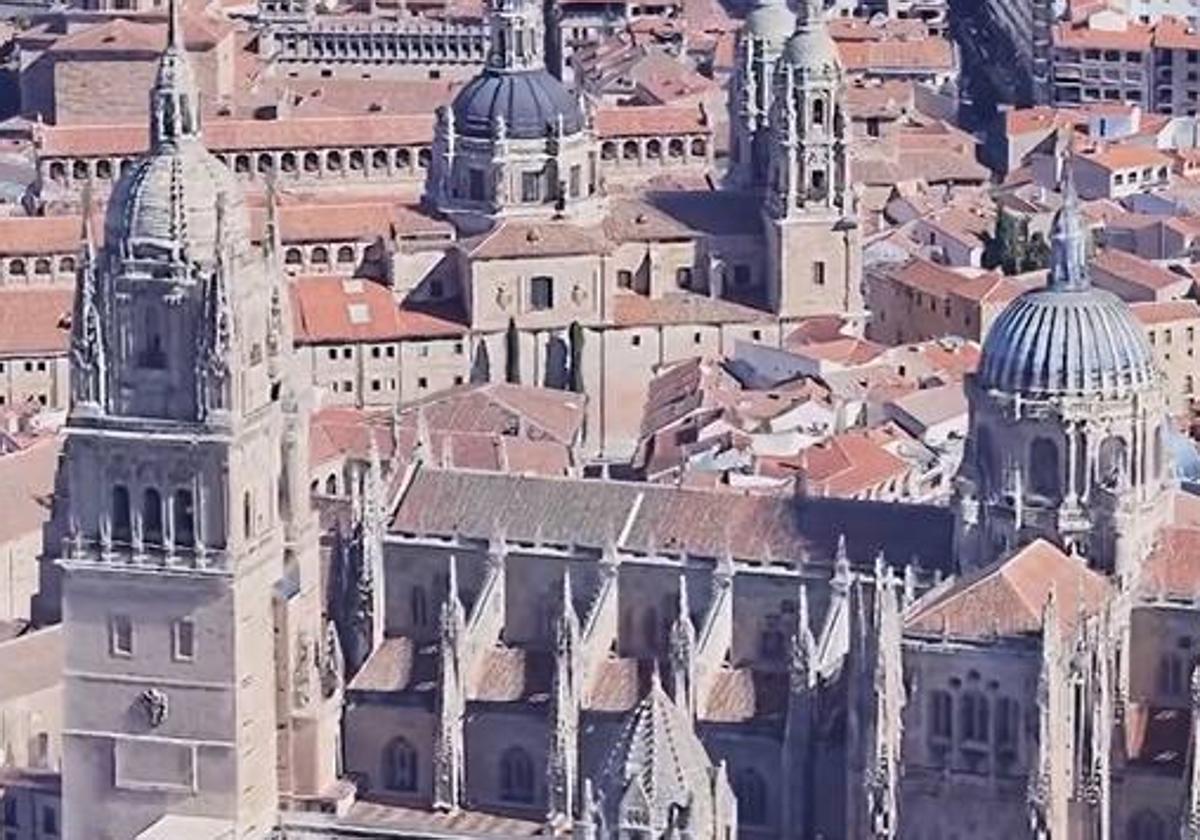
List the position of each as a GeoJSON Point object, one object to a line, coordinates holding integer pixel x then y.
{"type": "Point", "coordinates": [562, 769]}
{"type": "Point", "coordinates": [804, 647]}
{"type": "Point", "coordinates": [683, 653]}
{"type": "Point", "coordinates": [174, 100]}
{"type": "Point", "coordinates": [88, 379]}
{"type": "Point", "coordinates": [451, 705]}
{"type": "Point", "coordinates": [517, 35]}
{"type": "Point", "coordinates": [1069, 237]}
{"type": "Point", "coordinates": [1046, 804]}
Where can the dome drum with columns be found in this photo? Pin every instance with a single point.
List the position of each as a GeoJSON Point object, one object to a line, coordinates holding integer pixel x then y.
{"type": "Point", "coordinates": [1067, 415]}
{"type": "Point", "coordinates": [514, 142]}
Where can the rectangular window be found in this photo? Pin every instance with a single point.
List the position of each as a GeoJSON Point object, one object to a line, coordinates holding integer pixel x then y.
{"type": "Point", "coordinates": [347, 352]}
{"type": "Point", "coordinates": [531, 186]}
{"type": "Point", "coordinates": [10, 811]}
{"type": "Point", "coordinates": [818, 273]}
{"type": "Point", "coordinates": [422, 382]}
{"type": "Point", "coordinates": [683, 277]}
{"type": "Point", "coordinates": [49, 820]}
{"type": "Point", "coordinates": [347, 386]}
{"type": "Point", "coordinates": [575, 180]}
{"type": "Point", "coordinates": [475, 185]}
{"type": "Point", "coordinates": [120, 635]}
{"type": "Point", "coordinates": [183, 640]}
{"type": "Point", "coordinates": [625, 279]}
{"type": "Point", "coordinates": [333, 353]}
{"type": "Point", "coordinates": [541, 293]}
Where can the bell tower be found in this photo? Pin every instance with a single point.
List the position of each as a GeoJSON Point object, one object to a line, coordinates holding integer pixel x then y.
{"type": "Point", "coordinates": [196, 683]}
{"type": "Point", "coordinates": [813, 239]}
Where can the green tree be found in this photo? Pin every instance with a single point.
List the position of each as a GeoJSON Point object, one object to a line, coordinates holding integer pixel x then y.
{"type": "Point", "coordinates": [1037, 254]}
{"type": "Point", "coordinates": [576, 338]}
{"type": "Point", "coordinates": [512, 354]}
{"type": "Point", "coordinates": [1005, 247]}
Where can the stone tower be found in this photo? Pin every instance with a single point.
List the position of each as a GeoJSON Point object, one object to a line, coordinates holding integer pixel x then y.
{"type": "Point", "coordinates": [1067, 416]}
{"type": "Point", "coordinates": [766, 31]}
{"type": "Point", "coordinates": [813, 238]}
{"type": "Point", "coordinates": [514, 143]}
{"type": "Point", "coordinates": [197, 682]}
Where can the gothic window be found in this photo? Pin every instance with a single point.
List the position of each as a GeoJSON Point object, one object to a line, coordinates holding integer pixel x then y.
{"type": "Point", "coordinates": [1044, 479]}
{"type": "Point", "coordinates": [1113, 461]}
{"type": "Point", "coordinates": [400, 766]}
{"type": "Point", "coordinates": [121, 530]}
{"type": "Point", "coordinates": [818, 112]}
{"type": "Point", "coordinates": [152, 517]}
{"type": "Point", "coordinates": [941, 716]}
{"type": "Point", "coordinates": [184, 518]}
{"type": "Point", "coordinates": [152, 351]}
{"type": "Point", "coordinates": [1147, 825]}
{"type": "Point", "coordinates": [419, 607]}
{"type": "Point", "coordinates": [751, 790]}
{"type": "Point", "coordinates": [973, 717]}
{"type": "Point", "coordinates": [772, 642]}
{"type": "Point", "coordinates": [818, 183]}
{"type": "Point", "coordinates": [1008, 723]}
{"type": "Point", "coordinates": [516, 776]}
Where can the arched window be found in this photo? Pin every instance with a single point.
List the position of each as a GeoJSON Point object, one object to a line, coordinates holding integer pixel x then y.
{"type": "Point", "coordinates": [985, 455]}
{"type": "Point", "coordinates": [675, 148]}
{"type": "Point", "coordinates": [265, 163]}
{"type": "Point", "coordinates": [152, 517]}
{"type": "Point", "coordinates": [608, 151]}
{"type": "Point", "coordinates": [104, 169]}
{"type": "Point", "coordinates": [516, 776]}
{"type": "Point", "coordinates": [973, 717]}
{"type": "Point", "coordinates": [699, 147]}
{"type": "Point", "coordinates": [345, 254]}
{"type": "Point", "coordinates": [357, 160]}
{"type": "Point", "coordinates": [1147, 825]}
{"type": "Point", "coordinates": [247, 515]}
{"type": "Point", "coordinates": [152, 352]}
{"type": "Point", "coordinates": [818, 112]}
{"type": "Point", "coordinates": [184, 518]}
{"type": "Point", "coordinates": [292, 256]}
{"type": "Point", "coordinates": [287, 162]}
{"type": "Point", "coordinates": [241, 164]}
{"type": "Point", "coordinates": [41, 266]}
{"type": "Point", "coordinates": [333, 161]}
{"type": "Point", "coordinates": [79, 170]}
{"type": "Point", "coordinates": [751, 790]}
{"type": "Point", "coordinates": [67, 265]}
{"type": "Point", "coordinates": [1044, 478]}
{"type": "Point", "coordinates": [121, 530]}
{"type": "Point", "coordinates": [17, 267]}
{"type": "Point", "coordinates": [400, 766]}
{"type": "Point", "coordinates": [653, 149]}
{"type": "Point", "coordinates": [320, 255]}
{"type": "Point", "coordinates": [630, 150]}
{"type": "Point", "coordinates": [419, 607]}
{"type": "Point", "coordinates": [379, 159]}
{"type": "Point", "coordinates": [312, 162]}
{"type": "Point", "coordinates": [1114, 462]}
{"type": "Point", "coordinates": [424, 156]}
{"type": "Point", "coordinates": [403, 158]}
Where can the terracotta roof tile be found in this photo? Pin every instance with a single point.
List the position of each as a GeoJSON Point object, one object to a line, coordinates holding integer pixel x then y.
{"type": "Point", "coordinates": [656, 120]}
{"type": "Point", "coordinates": [1151, 314]}
{"type": "Point", "coordinates": [27, 488]}
{"type": "Point", "coordinates": [741, 694]}
{"type": "Point", "coordinates": [509, 240]}
{"type": "Point", "coordinates": [35, 320]}
{"type": "Point", "coordinates": [511, 674]}
{"type": "Point", "coordinates": [397, 665]}
{"type": "Point", "coordinates": [631, 309]}
{"type": "Point", "coordinates": [342, 309]}
{"type": "Point", "coordinates": [1135, 36]}
{"type": "Point", "coordinates": [1134, 269]}
{"type": "Point", "coordinates": [1007, 598]}
{"type": "Point", "coordinates": [1173, 568]}
{"type": "Point", "coordinates": [40, 234]}
{"type": "Point", "coordinates": [617, 685]}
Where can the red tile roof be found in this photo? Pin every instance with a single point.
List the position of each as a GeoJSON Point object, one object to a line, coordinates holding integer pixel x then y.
{"type": "Point", "coordinates": [1173, 568]}
{"type": "Point", "coordinates": [1007, 598]}
{"type": "Point", "coordinates": [648, 120]}
{"type": "Point", "coordinates": [1151, 314]}
{"type": "Point", "coordinates": [846, 465]}
{"type": "Point", "coordinates": [27, 488]}
{"type": "Point", "coordinates": [20, 235]}
{"type": "Point", "coordinates": [35, 320]}
{"type": "Point", "coordinates": [1136, 270]}
{"type": "Point", "coordinates": [330, 309]}
{"type": "Point", "coordinates": [510, 240]}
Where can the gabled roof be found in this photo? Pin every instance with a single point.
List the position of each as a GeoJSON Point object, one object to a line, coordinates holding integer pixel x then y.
{"type": "Point", "coordinates": [1007, 598]}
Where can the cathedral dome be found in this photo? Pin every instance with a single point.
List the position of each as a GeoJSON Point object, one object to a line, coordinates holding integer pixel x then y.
{"type": "Point", "coordinates": [1068, 338]}
{"type": "Point", "coordinates": [772, 22]}
{"type": "Point", "coordinates": [172, 197]}
{"type": "Point", "coordinates": [530, 102]}
{"type": "Point", "coordinates": [657, 771]}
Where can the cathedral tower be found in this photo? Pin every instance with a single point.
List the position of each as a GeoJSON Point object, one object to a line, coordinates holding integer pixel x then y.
{"type": "Point", "coordinates": [766, 31]}
{"type": "Point", "coordinates": [1067, 416]}
{"type": "Point", "coordinates": [196, 683]}
{"type": "Point", "coordinates": [813, 240]}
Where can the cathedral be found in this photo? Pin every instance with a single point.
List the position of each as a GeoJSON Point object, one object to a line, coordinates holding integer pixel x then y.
{"type": "Point", "coordinates": [456, 653]}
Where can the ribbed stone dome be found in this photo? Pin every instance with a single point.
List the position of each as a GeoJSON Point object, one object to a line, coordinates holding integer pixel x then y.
{"type": "Point", "coordinates": [529, 101]}
{"type": "Point", "coordinates": [170, 197]}
{"type": "Point", "coordinates": [1068, 338]}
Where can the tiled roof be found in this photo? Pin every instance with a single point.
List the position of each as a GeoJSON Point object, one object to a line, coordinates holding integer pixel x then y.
{"type": "Point", "coordinates": [35, 320]}
{"type": "Point", "coordinates": [1125, 157]}
{"type": "Point", "coordinates": [741, 694]}
{"type": "Point", "coordinates": [688, 214]}
{"type": "Point", "coordinates": [1007, 598]}
{"type": "Point", "coordinates": [703, 523]}
{"type": "Point", "coordinates": [21, 235]}
{"type": "Point", "coordinates": [511, 674]}
{"type": "Point", "coordinates": [397, 665]}
{"type": "Point", "coordinates": [358, 221]}
{"type": "Point", "coordinates": [230, 135]}
{"type": "Point", "coordinates": [1133, 269]}
{"type": "Point", "coordinates": [617, 685]}
{"type": "Point", "coordinates": [31, 663]}
{"type": "Point", "coordinates": [522, 240]}
{"type": "Point", "coordinates": [928, 54]}
{"type": "Point", "coordinates": [1151, 314]}
{"type": "Point", "coordinates": [1173, 568]}
{"type": "Point", "coordinates": [330, 309]}
{"type": "Point", "coordinates": [402, 821]}
{"type": "Point", "coordinates": [631, 309]}
{"type": "Point", "coordinates": [340, 431]}
{"type": "Point", "coordinates": [648, 120]}
{"type": "Point", "coordinates": [1135, 37]}
{"type": "Point", "coordinates": [845, 465]}
{"type": "Point", "coordinates": [122, 35]}
{"type": "Point", "coordinates": [500, 408]}
{"type": "Point", "coordinates": [27, 488]}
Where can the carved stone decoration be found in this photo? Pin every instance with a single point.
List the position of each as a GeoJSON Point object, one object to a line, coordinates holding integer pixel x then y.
{"type": "Point", "coordinates": [154, 703]}
{"type": "Point", "coordinates": [503, 297]}
{"type": "Point", "coordinates": [301, 680]}
{"type": "Point", "coordinates": [332, 664]}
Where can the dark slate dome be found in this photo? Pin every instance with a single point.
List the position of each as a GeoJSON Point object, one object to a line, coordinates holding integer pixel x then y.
{"type": "Point", "coordinates": [1068, 338]}
{"type": "Point", "coordinates": [530, 102]}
